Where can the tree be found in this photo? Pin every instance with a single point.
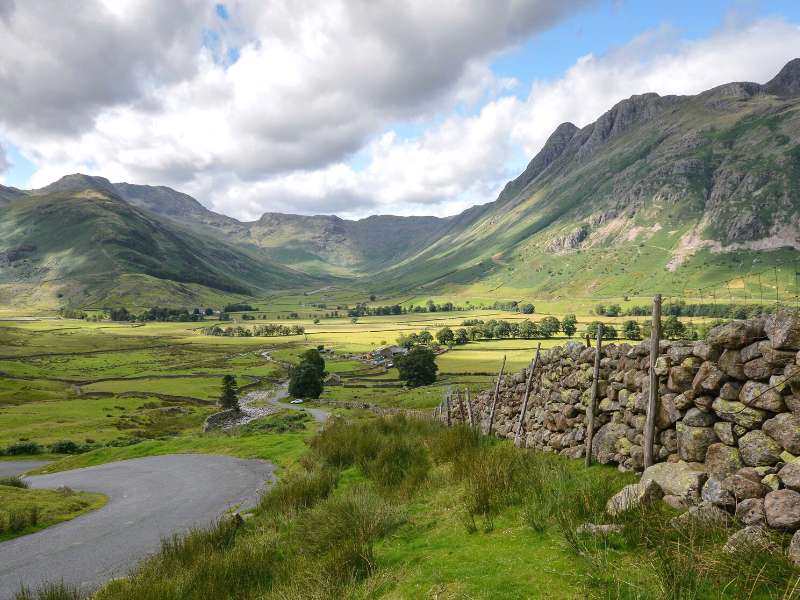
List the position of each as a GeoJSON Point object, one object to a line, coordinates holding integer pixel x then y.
{"type": "Point", "coordinates": [229, 398]}
{"type": "Point", "coordinates": [631, 330]}
{"type": "Point", "coordinates": [502, 329]}
{"type": "Point", "coordinates": [569, 325]}
{"type": "Point", "coordinates": [305, 381]}
{"type": "Point", "coordinates": [209, 312]}
{"type": "Point", "coordinates": [425, 338]}
{"type": "Point", "coordinates": [613, 310]}
{"type": "Point", "coordinates": [528, 309]}
{"type": "Point", "coordinates": [372, 297]}
{"type": "Point", "coordinates": [549, 326]}
{"type": "Point", "coordinates": [461, 336]}
{"type": "Point", "coordinates": [445, 336]}
{"type": "Point", "coordinates": [609, 331]}
{"type": "Point", "coordinates": [673, 328]}
{"type": "Point", "coordinates": [418, 367]}
{"type": "Point", "coordinates": [528, 329]}
{"type": "Point", "coordinates": [314, 358]}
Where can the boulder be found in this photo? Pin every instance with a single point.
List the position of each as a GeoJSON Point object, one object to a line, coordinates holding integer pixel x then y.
{"type": "Point", "coordinates": [784, 428]}
{"type": "Point", "coordinates": [772, 481]}
{"type": "Point", "coordinates": [715, 492]}
{"type": "Point", "coordinates": [704, 403]}
{"type": "Point", "coordinates": [598, 530]}
{"type": "Point", "coordinates": [708, 379]}
{"type": "Point", "coordinates": [782, 508]}
{"type": "Point", "coordinates": [751, 537]}
{"type": "Point", "coordinates": [793, 553]}
{"type": "Point", "coordinates": [722, 461]}
{"type": "Point", "coordinates": [759, 395]}
{"type": "Point", "coordinates": [791, 374]}
{"type": "Point", "coordinates": [676, 502]}
{"type": "Point", "coordinates": [730, 390]}
{"type": "Point", "coordinates": [681, 479]}
{"type": "Point", "coordinates": [680, 378]}
{"type": "Point", "coordinates": [783, 329]}
{"type": "Point", "coordinates": [744, 484]}
{"type": "Point", "coordinates": [605, 442]}
{"type": "Point", "coordinates": [666, 412]}
{"type": "Point", "coordinates": [724, 431]}
{"type": "Point", "coordinates": [751, 512]}
{"type": "Point", "coordinates": [695, 417]}
{"type": "Point", "coordinates": [704, 514]}
{"type": "Point", "coordinates": [705, 351]}
{"type": "Point", "coordinates": [735, 334]}
{"type": "Point", "coordinates": [758, 449]}
{"type": "Point", "coordinates": [738, 413]}
{"type": "Point", "coordinates": [731, 364]}
{"type": "Point", "coordinates": [694, 441]}
{"type": "Point", "coordinates": [633, 496]}
{"type": "Point", "coordinates": [758, 369]}
{"type": "Point", "coordinates": [776, 357]}
{"type": "Point", "coordinates": [790, 476]}
{"type": "Point", "coordinates": [750, 352]}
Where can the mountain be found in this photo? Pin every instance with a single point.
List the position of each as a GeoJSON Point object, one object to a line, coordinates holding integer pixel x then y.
{"type": "Point", "coordinates": [672, 194]}
{"type": "Point", "coordinates": [80, 240]}
{"type": "Point", "coordinates": [669, 194]}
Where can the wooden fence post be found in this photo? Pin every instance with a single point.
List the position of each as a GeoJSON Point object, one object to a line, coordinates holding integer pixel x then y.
{"type": "Point", "coordinates": [593, 400]}
{"type": "Point", "coordinates": [534, 363]}
{"type": "Point", "coordinates": [494, 397]}
{"type": "Point", "coordinates": [469, 408]}
{"type": "Point", "coordinates": [652, 401]}
{"type": "Point", "coordinates": [447, 406]}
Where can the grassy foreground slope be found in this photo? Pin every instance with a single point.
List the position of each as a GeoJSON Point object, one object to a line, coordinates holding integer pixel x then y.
{"type": "Point", "coordinates": [396, 508]}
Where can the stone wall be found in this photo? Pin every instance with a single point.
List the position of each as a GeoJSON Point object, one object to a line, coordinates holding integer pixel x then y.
{"type": "Point", "coordinates": [728, 420]}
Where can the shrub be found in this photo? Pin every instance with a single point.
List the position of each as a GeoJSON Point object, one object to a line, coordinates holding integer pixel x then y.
{"type": "Point", "coordinates": [65, 447]}
{"type": "Point", "coordinates": [50, 591]}
{"type": "Point", "coordinates": [23, 448]}
{"type": "Point", "coordinates": [398, 463]}
{"type": "Point", "coordinates": [299, 491]}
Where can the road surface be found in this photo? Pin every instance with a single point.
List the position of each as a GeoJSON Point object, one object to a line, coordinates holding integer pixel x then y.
{"type": "Point", "coordinates": [9, 468]}
{"type": "Point", "coordinates": [148, 499]}
{"type": "Point", "coordinates": [282, 392]}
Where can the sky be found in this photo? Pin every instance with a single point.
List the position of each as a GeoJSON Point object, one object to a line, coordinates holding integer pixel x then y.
{"type": "Point", "coordinates": [348, 107]}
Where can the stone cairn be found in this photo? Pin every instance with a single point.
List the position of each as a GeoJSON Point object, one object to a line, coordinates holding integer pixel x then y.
{"type": "Point", "coordinates": [727, 422]}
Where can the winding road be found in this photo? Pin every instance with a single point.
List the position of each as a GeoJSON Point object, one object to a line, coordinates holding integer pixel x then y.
{"type": "Point", "coordinates": [148, 499]}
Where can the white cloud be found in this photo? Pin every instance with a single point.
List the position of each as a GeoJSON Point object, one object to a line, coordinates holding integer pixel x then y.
{"type": "Point", "coordinates": [316, 82]}
{"type": "Point", "coordinates": [657, 61]}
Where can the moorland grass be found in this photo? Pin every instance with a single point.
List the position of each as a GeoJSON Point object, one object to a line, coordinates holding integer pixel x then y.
{"type": "Point", "coordinates": [467, 517]}
{"type": "Point", "coordinates": [23, 510]}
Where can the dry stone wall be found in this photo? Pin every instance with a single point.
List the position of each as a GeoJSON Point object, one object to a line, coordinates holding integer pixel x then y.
{"type": "Point", "coordinates": [727, 424]}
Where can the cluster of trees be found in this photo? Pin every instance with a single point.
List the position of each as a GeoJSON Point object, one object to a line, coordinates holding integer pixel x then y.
{"type": "Point", "coordinates": [497, 329]}
{"type": "Point", "coordinates": [72, 313]}
{"type": "Point", "coordinates": [681, 308]}
{"type": "Point", "coordinates": [266, 330]}
{"type": "Point", "coordinates": [305, 379]}
{"type": "Point", "coordinates": [418, 367]}
{"type": "Point", "coordinates": [157, 313]}
{"type": "Point", "coordinates": [671, 328]}
{"type": "Point", "coordinates": [237, 307]}
{"type": "Point", "coordinates": [362, 310]}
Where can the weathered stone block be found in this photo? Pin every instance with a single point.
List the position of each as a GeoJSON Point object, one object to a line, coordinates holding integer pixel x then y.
{"type": "Point", "coordinates": [783, 329]}
{"type": "Point", "coordinates": [784, 428]}
{"type": "Point", "coordinates": [738, 413]}
{"type": "Point", "coordinates": [782, 508]}
{"type": "Point", "coordinates": [758, 449]}
{"type": "Point", "coordinates": [722, 461]}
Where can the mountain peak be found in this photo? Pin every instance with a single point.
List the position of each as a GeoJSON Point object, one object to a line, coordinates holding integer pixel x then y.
{"type": "Point", "coordinates": [787, 81]}
{"type": "Point", "coordinates": [78, 182]}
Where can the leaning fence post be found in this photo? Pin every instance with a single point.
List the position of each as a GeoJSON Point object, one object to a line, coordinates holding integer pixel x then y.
{"type": "Point", "coordinates": [469, 408]}
{"type": "Point", "coordinates": [593, 400]}
{"type": "Point", "coordinates": [447, 407]}
{"type": "Point", "coordinates": [652, 402]}
{"type": "Point", "coordinates": [534, 363]}
{"type": "Point", "coordinates": [494, 397]}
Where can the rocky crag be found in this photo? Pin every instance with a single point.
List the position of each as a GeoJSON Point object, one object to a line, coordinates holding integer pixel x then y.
{"type": "Point", "coordinates": [727, 424]}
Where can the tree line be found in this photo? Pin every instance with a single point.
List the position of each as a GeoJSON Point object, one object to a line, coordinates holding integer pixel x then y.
{"type": "Point", "coordinates": [266, 330]}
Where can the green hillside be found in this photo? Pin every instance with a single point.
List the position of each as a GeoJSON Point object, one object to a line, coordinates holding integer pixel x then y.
{"type": "Point", "coordinates": [669, 194]}
{"type": "Point", "coordinates": [91, 247]}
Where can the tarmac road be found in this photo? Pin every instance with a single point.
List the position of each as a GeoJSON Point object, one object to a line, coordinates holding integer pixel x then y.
{"type": "Point", "coordinates": [148, 499]}
{"type": "Point", "coordinates": [9, 468]}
